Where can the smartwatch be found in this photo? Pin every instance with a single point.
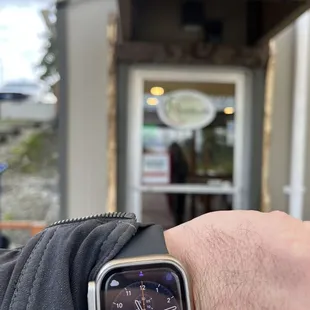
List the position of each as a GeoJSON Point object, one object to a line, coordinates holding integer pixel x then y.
{"type": "Point", "coordinates": [143, 276]}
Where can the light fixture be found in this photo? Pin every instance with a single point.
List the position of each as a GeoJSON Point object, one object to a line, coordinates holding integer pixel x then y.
{"type": "Point", "coordinates": [229, 110]}
{"type": "Point", "coordinates": [152, 101]}
{"type": "Point", "coordinates": [157, 91]}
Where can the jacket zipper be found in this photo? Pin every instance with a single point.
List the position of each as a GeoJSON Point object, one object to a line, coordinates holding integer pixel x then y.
{"type": "Point", "coordinates": [111, 215]}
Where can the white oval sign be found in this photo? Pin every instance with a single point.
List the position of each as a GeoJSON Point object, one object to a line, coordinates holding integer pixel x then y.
{"type": "Point", "coordinates": [186, 109]}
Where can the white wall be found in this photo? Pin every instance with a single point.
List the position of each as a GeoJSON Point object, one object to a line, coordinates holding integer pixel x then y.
{"type": "Point", "coordinates": [301, 101]}
{"type": "Point", "coordinates": [304, 29]}
{"type": "Point", "coordinates": [289, 145]}
{"type": "Point", "coordinates": [279, 160]}
{"type": "Point", "coordinates": [87, 77]}
{"type": "Point", "coordinates": [29, 111]}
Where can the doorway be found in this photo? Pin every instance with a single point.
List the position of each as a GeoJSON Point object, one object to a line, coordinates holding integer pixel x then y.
{"type": "Point", "coordinates": [188, 136]}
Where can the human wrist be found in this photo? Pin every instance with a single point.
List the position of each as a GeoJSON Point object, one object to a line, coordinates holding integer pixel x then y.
{"type": "Point", "coordinates": [179, 247]}
{"type": "Point", "coordinates": [198, 251]}
{"type": "Point", "coordinates": [175, 248]}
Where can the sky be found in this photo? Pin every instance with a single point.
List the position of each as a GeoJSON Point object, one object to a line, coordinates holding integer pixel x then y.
{"type": "Point", "coordinates": [21, 43]}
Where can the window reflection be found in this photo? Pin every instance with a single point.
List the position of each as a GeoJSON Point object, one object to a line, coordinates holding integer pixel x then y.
{"type": "Point", "coordinates": [208, 151]}
{"type": "Point", "coordinates": [186, 156]}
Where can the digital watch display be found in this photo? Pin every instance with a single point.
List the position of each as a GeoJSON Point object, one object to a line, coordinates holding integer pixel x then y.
{"type": "Point", "coordinates": [144, 282]}
{"type": "Point", "coordinates": [156, 283]}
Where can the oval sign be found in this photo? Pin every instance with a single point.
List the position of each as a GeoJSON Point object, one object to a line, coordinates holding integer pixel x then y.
{"type": "Point", "coordinates": [186, 109]}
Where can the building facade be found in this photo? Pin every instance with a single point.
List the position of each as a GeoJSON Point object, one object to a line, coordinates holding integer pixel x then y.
{"type": "Point", "coordinates": [287, 122]}
{"type": "Point", "coordinates": [179, 59]}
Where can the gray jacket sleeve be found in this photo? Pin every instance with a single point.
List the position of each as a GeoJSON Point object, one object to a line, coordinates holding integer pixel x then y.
{"type": "Point", "coordinates": [53, 269]}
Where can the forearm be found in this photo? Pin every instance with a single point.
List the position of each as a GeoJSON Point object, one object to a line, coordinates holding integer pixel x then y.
{"type": "Point", "coordinates": [183, 245]}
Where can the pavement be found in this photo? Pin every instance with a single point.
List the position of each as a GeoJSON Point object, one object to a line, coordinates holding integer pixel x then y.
{"type": "Point", "coordinates": [156, 210]}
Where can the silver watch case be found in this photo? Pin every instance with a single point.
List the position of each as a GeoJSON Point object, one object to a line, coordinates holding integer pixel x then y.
{"type": "Point", "coordinates": [94, 287]}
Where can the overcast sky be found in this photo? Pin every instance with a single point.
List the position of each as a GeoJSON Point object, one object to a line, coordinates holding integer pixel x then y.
{"type": "Point", "coordinates": [21, 26]}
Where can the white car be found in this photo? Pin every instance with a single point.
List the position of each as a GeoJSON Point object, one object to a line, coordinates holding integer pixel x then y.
{"type": "Point", "coordinates": [24, 91]}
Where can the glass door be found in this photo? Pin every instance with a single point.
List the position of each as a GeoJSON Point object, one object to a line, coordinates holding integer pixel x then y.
{"type": "Point", "coordinates": [186, 136]}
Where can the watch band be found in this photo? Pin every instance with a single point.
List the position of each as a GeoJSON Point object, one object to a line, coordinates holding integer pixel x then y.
{"type": "Point", "coordinates": [149, 240]}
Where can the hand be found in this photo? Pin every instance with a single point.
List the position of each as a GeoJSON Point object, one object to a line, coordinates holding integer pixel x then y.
{"type": "Point", "coordinates": [138, 305]}
{"type": "Point", "coordinates": [245, 260]}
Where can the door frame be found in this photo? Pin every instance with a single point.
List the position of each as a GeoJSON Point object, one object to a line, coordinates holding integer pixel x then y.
{"type": "Point", "coordinates": [242, 78]}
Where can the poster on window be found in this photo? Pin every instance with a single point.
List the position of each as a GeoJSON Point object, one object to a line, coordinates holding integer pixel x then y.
{"type": "Point", "coordinates": [156, 168]}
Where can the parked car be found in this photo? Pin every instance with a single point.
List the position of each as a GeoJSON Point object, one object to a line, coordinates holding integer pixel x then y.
{"type": "Point", "coordinates": [24, 91]}
{"type": "Point", "coordinates": [28, 101]}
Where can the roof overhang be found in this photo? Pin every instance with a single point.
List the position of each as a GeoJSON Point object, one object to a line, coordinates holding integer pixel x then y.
{"type": "Point", "coordinates": [271, 16]}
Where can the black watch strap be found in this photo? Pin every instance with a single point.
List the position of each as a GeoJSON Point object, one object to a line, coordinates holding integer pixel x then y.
{"type": "Point", "coordinates": [149, 240]}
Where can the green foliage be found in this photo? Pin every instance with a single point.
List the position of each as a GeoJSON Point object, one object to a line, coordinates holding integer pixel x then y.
{"type": "Point", "coordinates": [48, 64]}
{"type": "Point", "coordinates": [49, 60]}
{"type": "Point", "coordinates": [36, 153]}
{"type": "Point", "coordinates": [8, 217]}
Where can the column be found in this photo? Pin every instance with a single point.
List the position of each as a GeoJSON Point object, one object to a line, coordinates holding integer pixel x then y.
{"type": "Point", "coordinates": [83, 43]}
{"type": "Point", "coordinates": [301, 100]}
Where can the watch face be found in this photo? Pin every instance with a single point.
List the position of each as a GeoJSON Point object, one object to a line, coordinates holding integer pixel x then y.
{"type": "Point", "coordinates": [148, 287]}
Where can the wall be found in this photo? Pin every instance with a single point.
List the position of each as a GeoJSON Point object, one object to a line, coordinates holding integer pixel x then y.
{"type": "Point", "coordinates": [307, 179]}
{"type": "Point", "coordinates": [307, 164]}
{"type": "Point", "coordinates": [83, 116]}
{"type": "Point", "coordinates": [30, 111]}
{"type": "Point", "coordinates": [122, 123]}
{"type": "Point", "coordinates": [256, 137]}
{"type": "Point", "coordinates": [301, 98]}
{"type": "Point", "coordinates": [280, 140]}
{"type": "Point", "coordinates": [289, 90]}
